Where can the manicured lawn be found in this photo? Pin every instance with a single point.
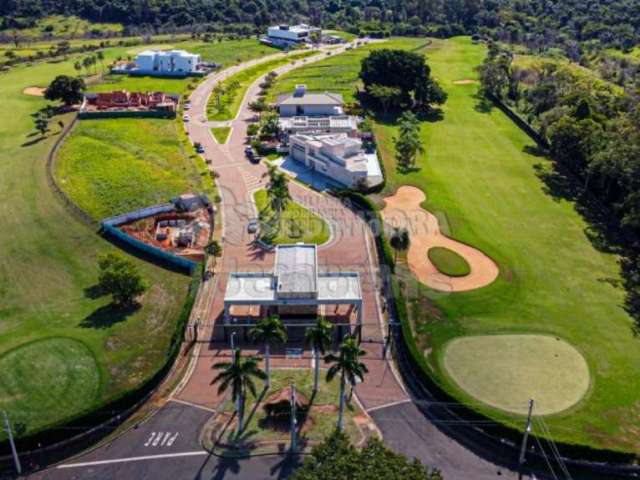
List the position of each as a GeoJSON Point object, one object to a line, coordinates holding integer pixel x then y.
{"type": "Point", "coordinates": [338, 73]}
{"type": "Point", "coordinates": [111, 166]}
{"type": "Point", "coordinates": [47, 269]}
{"type": "Point", "coordinates": [506, 371]}
{"type": "Point", "coordinates": [322, 418]}
{"type": "Point", "coordinates": [221, 134]}
{"type": "Point", "coordinates": [480, 173]}
{"type": "Point", "coordinates": [297, 224]}
{"type": "Point", "coordinates": [235, 87]}
{"type": "Point", "coordinates": [449, 262]}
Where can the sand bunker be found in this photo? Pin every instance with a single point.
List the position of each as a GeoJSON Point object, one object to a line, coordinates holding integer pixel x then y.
{"type": "Point", "coordinates": [403, 210]}
{"type": "Point", "coordinates": [465, 81]}
{"type": "Point", "coordinates": [35, 91]}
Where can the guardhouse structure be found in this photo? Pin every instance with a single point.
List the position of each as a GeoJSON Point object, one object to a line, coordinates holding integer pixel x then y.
{"type": "Point", "coordinates": [296, 291]}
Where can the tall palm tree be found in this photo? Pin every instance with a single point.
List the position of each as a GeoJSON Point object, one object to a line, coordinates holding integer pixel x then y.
{"type": "Point", "coordinates": [319, 337]}
{"type": "Point", "coordinates": [240, 375]}
{"type": "Point", "coordinates": [400, 240]}
{"type": "Point", "coordinates": [277, 191]}
{"type": "Point", "coordinates": [347, 363]}
{"type": "Point", "coordinates": [269, 330]}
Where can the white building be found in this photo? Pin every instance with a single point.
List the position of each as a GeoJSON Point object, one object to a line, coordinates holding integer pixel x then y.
{"type": "Point", "coordinates": [333, 124]}
{"type": "Point", "coordinates": [338, 157]}
{"type": "Point", "coordinates": [312, 104]}
{"type": "Point", "coordinates": [173, 62]}
{"type": "Point", "coordinates": [289, 35]}
{"type": "Point", "coordinates": [296, 290]}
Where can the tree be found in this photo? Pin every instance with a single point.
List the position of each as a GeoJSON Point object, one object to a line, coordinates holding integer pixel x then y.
{"type": "Point", "coordinates": [319, 337]}
{"type": "Point", "coordinates": [337, 458]}
{"type": "Point", "coordinates": [347, 364]}
{"type": "Point", "coordinates": [41, 122]}
{"type": "Point", "coordinates": [240, 374]}
{"type": "Point", "coordinates": [214, 248]}
{"type": "Point", "coordinates": [269, 124]}
{"type": "Point", "coordinates": [67, 89]}
{"type": "Point", "coordinates": [277, 191]}
{"type": "Point", "coordinates": [120, 278]}
{"type": "Point", "coordinates": [78, 66]}
{"type": "Point", "coordinates": [386, 96]}
{"type": "Point", "coordinates": [400, 240]}
{"type": "Point", "coordinates": [268, 330]}
{"type": "Point", "coordinates": [408, 143]}
{"type": "Point", "coordinates": [100, 57]}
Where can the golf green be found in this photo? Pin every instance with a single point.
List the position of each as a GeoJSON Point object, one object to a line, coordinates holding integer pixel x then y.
{"type": "Point", "coordinates": [505, 371]}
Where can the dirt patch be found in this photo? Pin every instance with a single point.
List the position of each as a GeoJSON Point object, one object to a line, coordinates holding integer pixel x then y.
{"type": "Point", "coordinates": [403, 210]}
{"type": "Point", "coordinates": [34, 91]}
{"type": "Point", "coordinates": [465, 81]}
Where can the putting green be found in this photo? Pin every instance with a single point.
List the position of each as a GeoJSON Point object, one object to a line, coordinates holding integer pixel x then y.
{"type": "Point", "coordinates": [54, 375]}
{"type": "Point", "coordinates": [505, 371]}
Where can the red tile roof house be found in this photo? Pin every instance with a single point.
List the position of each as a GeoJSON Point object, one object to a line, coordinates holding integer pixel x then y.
{"type": "Point", "coordinates": [122, 102]}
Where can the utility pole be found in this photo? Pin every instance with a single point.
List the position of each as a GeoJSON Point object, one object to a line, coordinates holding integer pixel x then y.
{"type": "Point", "coordinates": [294, 439]}
{"type": "Point", "coordinates": [233, 347]}
{"type": "Point", "coordinates": [14, 452]}
{"type": "Point", "coordinates": [527, 430]}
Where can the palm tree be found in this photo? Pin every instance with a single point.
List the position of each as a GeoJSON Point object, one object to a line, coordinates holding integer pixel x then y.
{"type": "Point", "coordinates": [400, 240]}
{"type": "Point", "coordinates": [240, 375]}
{"type": "Point", "coordinates": [277, 191]}
{"type": "Point", "coordinates": [268, 330]}
{"type": "Point", "coordinates": [347, 363]}
{"type": "Point", "coordinates": [319, 337]}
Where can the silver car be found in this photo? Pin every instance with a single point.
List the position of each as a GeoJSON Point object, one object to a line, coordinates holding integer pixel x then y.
{"type": "Point", "coordinates": [253, 226]}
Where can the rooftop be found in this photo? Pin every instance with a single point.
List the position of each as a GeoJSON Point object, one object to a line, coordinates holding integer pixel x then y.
{"type": "Point", "coordinates": [296, 269]}
{"type": "Point", "coordinates": [310, 98]}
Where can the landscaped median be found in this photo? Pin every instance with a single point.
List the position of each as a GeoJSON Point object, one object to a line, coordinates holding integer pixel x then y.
{"type": "Point", "coordinates": [268, 420]}
{"type": "Point", "coordinates": [226, 98]}
{"type": "Point", "coordinates": [295, 224]}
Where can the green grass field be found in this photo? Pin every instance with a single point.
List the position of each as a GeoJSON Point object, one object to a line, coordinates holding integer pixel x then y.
{"type": "Point", "coordinates": [221, 134]}
{"type": "Point", "coordinates": [449, 262]}
{"type": "Point", "coordinates": [505, 371]}
{"type": "Point", "coordinates": [481, 173]}
{"type": "Point", "coordinates": [48, 312]}
{"type": "Point", "coordinates": [297, 224]}
{"type": "Point", "coordinates": [112, 166]}
{"type": "Point", "coordinates": [67, 27]}
{"type": "Point", "coordinates": [236, 86]}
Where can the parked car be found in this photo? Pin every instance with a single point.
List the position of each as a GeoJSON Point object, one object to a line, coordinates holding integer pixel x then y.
{"type": "Point", "coordinates": [253, 226]}
{"type": "Point", "coordinates": [187, 106]}
{"type": "Point", "coordinates": [199, 148]}
{"type": "Point", "coordinates": [185, 118]}
{"type": "Point", "coordinates": [252, 155]}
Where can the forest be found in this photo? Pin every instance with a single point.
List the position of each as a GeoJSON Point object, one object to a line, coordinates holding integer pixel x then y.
{"type": "Point", "coordinates": [574, 26]}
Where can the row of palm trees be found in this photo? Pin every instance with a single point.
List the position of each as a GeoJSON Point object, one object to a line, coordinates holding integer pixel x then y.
{"type": "Point", "coordinates": [242, 372]}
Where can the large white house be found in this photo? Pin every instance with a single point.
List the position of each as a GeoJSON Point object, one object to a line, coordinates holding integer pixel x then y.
{"type": "Point", "coordinates": [311, 104]}
{"type": "Point", "coordinates": [338, 157]}
{"type": "Point", "coordinates": [289, 35]}
{"type": "Point", "coordinates": [172, 62]}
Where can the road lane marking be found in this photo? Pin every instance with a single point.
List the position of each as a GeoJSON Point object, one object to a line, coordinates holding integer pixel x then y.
{"type": "Point", "coordinates": [150, 439]}
{"type": "Point", "coordinates": [164, 440]}
{"type": "Point", "coordinates": [386, 405]}
{"type": "Point", "coordinates": [172, 439]}
{"type": "Point", "coordinates": [133, 459]}
{"type": "Point", "coordinates": [194, 405]}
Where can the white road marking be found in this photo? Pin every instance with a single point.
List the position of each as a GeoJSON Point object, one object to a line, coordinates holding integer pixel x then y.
{"type": "Point", "coordinates": [172, 439]}
{"type": "Point", "coordinates": [392, 404]}
{"type": "Point", "coordinates": [151, 437]}
{"type": "Point", "coordinates": [194, 405]}
{"type": "Point", "coordinates": [156, 440]}
{"type": "Point", "coordinates": [164, 440]}
{"type": "Point", "coordinates": [133, 459]}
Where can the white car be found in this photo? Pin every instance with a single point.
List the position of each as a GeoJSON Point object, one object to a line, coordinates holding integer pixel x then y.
{"type": "Point", "coordinates": [185, 118]}
{"type": "Point", "coordinates": [253, 226]}
{"type": "Point", "coordinates": [187, 106]}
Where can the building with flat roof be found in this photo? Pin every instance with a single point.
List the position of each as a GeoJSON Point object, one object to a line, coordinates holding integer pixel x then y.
{"type": "Point", "coordinates": [338, 156]}
{"type": "Point", "coordinates": [172, 63]}
{"type": "Point", "coordinates": [311, 104]}
{"type": "Point", "coordinates": [333, 124]}
{"type": "Point", "coordinates": [283, 36]}
{"type": "Point", "coordinates": [296, 290]}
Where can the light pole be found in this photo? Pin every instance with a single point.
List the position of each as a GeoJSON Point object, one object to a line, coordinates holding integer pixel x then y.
{"type": "Point", "coordinates": [14, 452]}
{"type": "Point", "coordinates": [232, 343]}
{"type": "Point", "coordinates": [294, 439]}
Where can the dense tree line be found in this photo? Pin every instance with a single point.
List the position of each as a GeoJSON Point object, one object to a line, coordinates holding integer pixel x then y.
{"type": "Point", "coordinates": [592, 130]}
{"type": "Point", "coordinates": [572, 25]}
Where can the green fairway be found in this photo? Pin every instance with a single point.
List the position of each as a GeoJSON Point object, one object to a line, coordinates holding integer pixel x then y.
{"type": "Point", "coordinates": [226, 105]}
{"type": "Point", "coordinates": [480, 175]}
{"type": "Point", "coordinates": [221, 134]}
{"type": "Point", "coordinates": [111, 166]}
{"type": "Point", "coordinates": [297, 224]}
{"type": "Point", "coordinates": [505, 371]}
{"type": "Point", "coordinates": [448, 262]}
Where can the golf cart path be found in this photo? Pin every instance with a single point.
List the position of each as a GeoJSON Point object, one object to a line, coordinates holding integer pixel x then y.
{"type": "Point", "coordinates": [403, 210]}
